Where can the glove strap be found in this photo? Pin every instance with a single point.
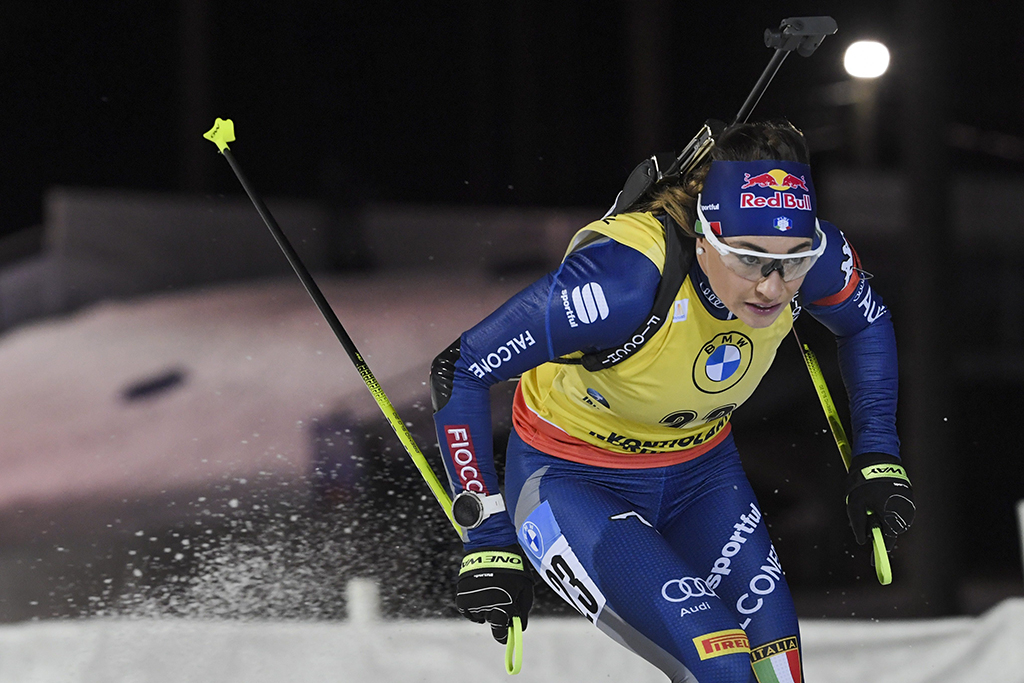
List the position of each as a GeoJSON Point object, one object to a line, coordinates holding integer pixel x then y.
{"type": "Point", "coordinates": [884, 471]}
{"type": "Point", "coordinates": [871, 466]}
{"type": "Point", "coordinates": [492, 559]}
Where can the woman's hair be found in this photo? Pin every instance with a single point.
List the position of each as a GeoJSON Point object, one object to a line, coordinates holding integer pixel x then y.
{"type": "Point", "coordinates": [778, 139]}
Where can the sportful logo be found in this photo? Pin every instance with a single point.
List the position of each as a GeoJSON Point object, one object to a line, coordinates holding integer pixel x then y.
{"type": "Point", "coordinates": [589, 303]}
{"type": "Point", "coordinates": [569, 315]}
{"type": "Point", "coordinates": [746, 525]}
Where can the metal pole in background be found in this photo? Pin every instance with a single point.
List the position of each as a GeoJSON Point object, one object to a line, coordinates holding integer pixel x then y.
{"type": "Point", "coordinates": [927, 388]}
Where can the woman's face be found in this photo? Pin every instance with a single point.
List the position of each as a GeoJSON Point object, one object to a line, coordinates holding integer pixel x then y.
{"type": "Point", "coordinates": [757, 304]}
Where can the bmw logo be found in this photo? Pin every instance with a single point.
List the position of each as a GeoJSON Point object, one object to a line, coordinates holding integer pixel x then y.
{"type": "Point", "coordinates": [722, 362]}
{"type": "Point", "coordinates": [532, 539]}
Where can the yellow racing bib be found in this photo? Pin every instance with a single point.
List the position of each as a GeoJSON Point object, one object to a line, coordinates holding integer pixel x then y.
{"type": "Point", "coordinates": [675, 395]}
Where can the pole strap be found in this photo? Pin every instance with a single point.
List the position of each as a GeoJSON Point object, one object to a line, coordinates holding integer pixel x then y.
{"type": "Point", "coordinates": [514, 647]}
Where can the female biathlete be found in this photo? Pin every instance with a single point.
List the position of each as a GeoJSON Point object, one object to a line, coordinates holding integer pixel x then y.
{"type": "Point", "coordinates": [623, 487]}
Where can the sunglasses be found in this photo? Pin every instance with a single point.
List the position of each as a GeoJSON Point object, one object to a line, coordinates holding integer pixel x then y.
{"type": "Point", "coordinates": [757, 265]}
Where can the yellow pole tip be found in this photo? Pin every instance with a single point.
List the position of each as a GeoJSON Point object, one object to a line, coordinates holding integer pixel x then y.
{"type": "Point", "coordinates": [221, 134]}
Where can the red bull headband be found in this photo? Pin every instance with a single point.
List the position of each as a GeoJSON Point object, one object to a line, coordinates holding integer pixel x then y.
{"type": "Point", "coordinates": [768, 197]}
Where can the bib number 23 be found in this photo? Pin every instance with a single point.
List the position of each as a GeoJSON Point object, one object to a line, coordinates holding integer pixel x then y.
{"type": "Point", "coordinates": [568, 578]}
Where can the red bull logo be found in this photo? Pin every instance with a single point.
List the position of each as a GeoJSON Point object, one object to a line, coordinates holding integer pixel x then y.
{"type": "Point", "coordinates": [775, 179]}
{"type": "Point", "coordinates": [780, 181]}
{"type": "Point", "coordinates": [749, 200]}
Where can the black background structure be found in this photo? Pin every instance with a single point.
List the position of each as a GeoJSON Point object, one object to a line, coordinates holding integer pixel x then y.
{"type": "Point", "coordinates": [511, 103]}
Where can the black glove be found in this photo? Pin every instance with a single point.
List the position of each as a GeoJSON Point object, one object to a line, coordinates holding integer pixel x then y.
{"type": "Point", "coordinates": [494, 586]}
{"type": "Point", "coordinates": [878, 483]}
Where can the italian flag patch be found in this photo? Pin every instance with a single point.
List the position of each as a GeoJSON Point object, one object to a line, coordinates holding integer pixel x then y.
{"type": "Point", "coordinates": [777, 661]}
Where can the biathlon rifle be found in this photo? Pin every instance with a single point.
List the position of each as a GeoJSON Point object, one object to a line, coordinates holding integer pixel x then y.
{"type": "Point", "coordinates": [802, 35]}
{"type": "Point", "coordinates": [797, 34]}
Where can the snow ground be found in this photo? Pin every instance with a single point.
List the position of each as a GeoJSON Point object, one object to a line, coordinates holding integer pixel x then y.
{"type": "Point", "coordinates": [985, 649]}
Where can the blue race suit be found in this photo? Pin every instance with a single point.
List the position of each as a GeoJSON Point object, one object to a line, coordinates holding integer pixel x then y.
{"type": "Point", "coordinates": [665, 551]}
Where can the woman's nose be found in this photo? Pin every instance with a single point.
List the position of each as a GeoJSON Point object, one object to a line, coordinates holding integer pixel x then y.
{"type": "Point", "coordinates": [772, 286]}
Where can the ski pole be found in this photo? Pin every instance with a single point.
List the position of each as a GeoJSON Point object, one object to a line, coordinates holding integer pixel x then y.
{"type": "Point", "coordinates": [883, 570]}
{"type": "Point", "coordinates": [221, 134]}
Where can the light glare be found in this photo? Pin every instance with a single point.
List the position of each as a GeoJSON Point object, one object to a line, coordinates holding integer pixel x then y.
{"type": "Point", "coordinates": [866, 59]}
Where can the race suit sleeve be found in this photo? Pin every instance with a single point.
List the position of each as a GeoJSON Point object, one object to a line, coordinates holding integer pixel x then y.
{"type": "Point", "coordinates": [838, 295]}
{"type": "Point", "coordinates": [597, 297]}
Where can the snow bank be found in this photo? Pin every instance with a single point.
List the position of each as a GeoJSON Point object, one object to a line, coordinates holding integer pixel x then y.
{"type": "Point", "coordinates": [955, 650]}
{"type": "Point", "coordinates": [257, 362]}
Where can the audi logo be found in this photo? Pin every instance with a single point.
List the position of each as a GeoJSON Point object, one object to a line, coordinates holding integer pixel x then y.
{"type": "Point", "coordinates": [681, 590]}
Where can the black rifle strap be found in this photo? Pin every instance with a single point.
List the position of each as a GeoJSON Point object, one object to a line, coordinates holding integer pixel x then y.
{"type": "Point", "coordinates": [679, 252]}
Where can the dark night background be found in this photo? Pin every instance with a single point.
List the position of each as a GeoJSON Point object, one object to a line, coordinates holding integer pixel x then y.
{"type": "Point", "coordinates": [551, 104]}
{"type": "Point", "coordinates": [434, 103]}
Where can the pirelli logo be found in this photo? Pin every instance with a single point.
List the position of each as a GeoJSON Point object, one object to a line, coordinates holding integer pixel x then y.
{"type": "Point", "coordinates": [773, 648]}
{"type": "Point", "coordinates": [721, 643]}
